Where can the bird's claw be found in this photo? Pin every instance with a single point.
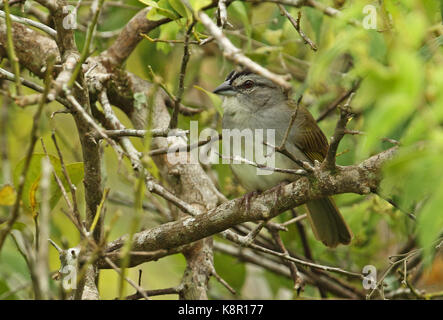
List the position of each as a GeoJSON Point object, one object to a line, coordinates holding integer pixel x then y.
{"type": "Point", "coordinates": [247, 199]}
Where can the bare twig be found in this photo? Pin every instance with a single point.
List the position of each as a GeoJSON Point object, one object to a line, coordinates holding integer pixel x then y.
{"type": "Point", "coordinates": [296, 24]}
{"type": "Point", "coordinates": [181, 77]}
{"type": "Point", "coordinates": [156, 292]}
{"type": "Point", "coordinates": [294, 220]}
{"type": "Point", "coordinates": [223, 282]}
{"type": "Point", "coordinates": [118, 133]}
{"type": "Point", "coordinates": [187, 148]}
{"type": "Point", "coordinates": [132, 283]}
{"type": "Point", "coordinates": [72, 187]}
{"type": "Point", "coordinates": [95, 10]}
{"type": "Point", "coordinates": [337, 101]}
{"type": "Point", "coordinates": [249, 256]}
{"type": "Point", "coordinates": [339, 133]}
{"type": "Point", "coordinates": [31, 23]}
{"type": "Point", "coordinates": [298, 172]}
{"type": "Point", "coordinates": [245, 241]}
{"type": "Point", "coordinates": [237, 239]}
{"type": "Point", "coordinates": [75, 218]}
{"type": "Point", "coordinates": [294, 272]}
{"type": "Point", "coordinates": [11, 77]}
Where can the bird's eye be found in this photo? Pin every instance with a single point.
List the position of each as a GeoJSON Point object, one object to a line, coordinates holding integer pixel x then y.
{"type": "Point", "coordinates": [248, 84]}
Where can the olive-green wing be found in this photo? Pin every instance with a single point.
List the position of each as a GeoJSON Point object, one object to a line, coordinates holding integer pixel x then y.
{"type": "Point", "coordinates": [307, 135]}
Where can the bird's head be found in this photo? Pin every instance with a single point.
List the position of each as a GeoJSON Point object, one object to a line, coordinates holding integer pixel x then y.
{"type": "Point", "coordinates": [250, 90]}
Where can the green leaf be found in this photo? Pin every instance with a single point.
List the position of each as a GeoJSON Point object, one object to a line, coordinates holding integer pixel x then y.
{"type": "Point", "coordinates": [180, 8]}
{"type": "Point", "coordinates": [30, 197]}
{"type": "Point", "coordinates": [160, 9]}
{"type": "Point", "coordinates": [198, 4]}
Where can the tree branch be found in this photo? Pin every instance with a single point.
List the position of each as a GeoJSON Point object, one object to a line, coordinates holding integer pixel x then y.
{"type": "Point", "coordinates": [360, 179]}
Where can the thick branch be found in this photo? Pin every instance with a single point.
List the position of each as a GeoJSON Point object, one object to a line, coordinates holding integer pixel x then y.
{"type": "Point", "coordinates": [360, 179]}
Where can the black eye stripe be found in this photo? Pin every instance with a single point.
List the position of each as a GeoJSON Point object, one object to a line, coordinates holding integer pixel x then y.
{"type": "Point", "coordinates": [230, 75]}
{"type": "Point", "coordinates": [234, 75]}
{"type": "Point", "coordinates": [256, 85]}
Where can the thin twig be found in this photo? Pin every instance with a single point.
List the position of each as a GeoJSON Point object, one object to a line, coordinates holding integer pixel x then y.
{"type": "Point", "coordinates": [345, 114]}
{"type": "Point", "coordinates": [11, 77]}
{"type": "Point", "coordinates": [235, 238]}
{"type": "Point", "coordinates": [181, 78]}
{"type": "Point", "coordinates": [223, 282]}
{"type": "Point", "coordinates": [31, 23]}
{"type": "Point", "coordinates": [294, 220]}
{"type": "Point", "coordinates": [337, 102]}
{"type": "Point", "coordinates": [292, 267]}
{"type": "Point", "coordinates": [95, 9]}
{"type": "Point", "coordinates": [156, 292]}
{"type": "Point", "coordinates": [236, 158]}
{"type": "Point", "coordinates": [296, 24]}
{"type": "Point", "coordinates": [132, 283]}
{"type": "Point", "coordinates": [186, 148]}
{"type": "Point", "coordinates": [72, 187]}
{"type": "Point", "coordinates": [141, 133]}
{"type": "Point", "coordinates": [76, 220]}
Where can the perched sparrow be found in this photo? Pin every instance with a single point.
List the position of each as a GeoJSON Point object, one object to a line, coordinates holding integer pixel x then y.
{"type": "Point", "coordinates": [254, 102]}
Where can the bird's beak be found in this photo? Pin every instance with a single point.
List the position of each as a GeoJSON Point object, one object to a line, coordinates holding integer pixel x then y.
{"type": "Point", "coordinates": [225, 89]}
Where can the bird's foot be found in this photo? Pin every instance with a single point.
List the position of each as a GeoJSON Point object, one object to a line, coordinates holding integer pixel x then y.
{"type": "Point", "coordinates": [247, 199]}
{"type": "Point", "coordinates": [278, 188]}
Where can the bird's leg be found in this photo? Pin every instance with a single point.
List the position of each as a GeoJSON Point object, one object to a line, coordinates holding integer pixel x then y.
{"type": "Point", "coordinates": [278, 188]}
{"type": "Point", "coordinates": [248, 197]}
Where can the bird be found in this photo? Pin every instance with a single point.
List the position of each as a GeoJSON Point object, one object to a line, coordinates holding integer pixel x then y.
{"type": "Point", "coordinates": [251, 101]}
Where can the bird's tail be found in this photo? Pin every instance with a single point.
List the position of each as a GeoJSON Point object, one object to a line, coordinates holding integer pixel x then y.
{"type": "Point", "coordinates": [327, 223]}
